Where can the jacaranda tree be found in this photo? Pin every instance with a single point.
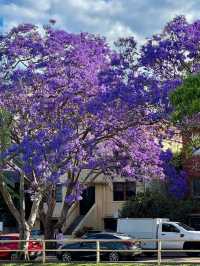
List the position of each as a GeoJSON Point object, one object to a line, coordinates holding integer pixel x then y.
{"type": "Point", "coordinates": [78, 110]}
{"type": "Point", "coordinates": [173, 58]}
{"type": "Point", "coordinates": [173, 54]}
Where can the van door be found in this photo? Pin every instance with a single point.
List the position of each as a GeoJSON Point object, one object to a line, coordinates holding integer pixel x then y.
{"type": "Point", "coordinates": [169, 232]}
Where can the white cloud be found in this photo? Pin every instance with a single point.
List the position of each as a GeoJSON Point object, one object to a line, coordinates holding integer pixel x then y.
{"type": "Point", "coordinates": [14, 14]}
{"type": "Point", "coordinates": [98, 6]}
{"type": "Point", "coordinates": [42, 5]}
{"type": "Point", "coordinates": [119, 30]}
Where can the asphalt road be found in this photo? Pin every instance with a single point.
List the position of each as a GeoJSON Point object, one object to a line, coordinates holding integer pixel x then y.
{"type": "Point", "coordinates": [167, 258]}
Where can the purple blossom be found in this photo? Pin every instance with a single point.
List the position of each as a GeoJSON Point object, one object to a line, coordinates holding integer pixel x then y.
{"type": "Point", "coordinates": [176, 178]}
{"type": "Point", "coordinates": [79, 106]}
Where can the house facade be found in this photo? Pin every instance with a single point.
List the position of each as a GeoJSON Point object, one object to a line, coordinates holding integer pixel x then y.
{"type": "Point", "coordinates": [100, 206]}
{"type": "Point", "coordinates": [103, 199]}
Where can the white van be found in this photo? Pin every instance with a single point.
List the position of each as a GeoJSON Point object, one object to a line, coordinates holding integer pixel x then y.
{"type": "Point", "coordinates": [164, 229]}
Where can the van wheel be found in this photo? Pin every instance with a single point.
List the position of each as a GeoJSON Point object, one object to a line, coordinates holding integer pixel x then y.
{"type": "Point", "coordinates": [149, 254]}
{"type": "Point", "coordinates": [114, 256]}
{"type": "Point", "coordinates": [192, 254]}
{"type": "Point", "coordinates": [191, 246]}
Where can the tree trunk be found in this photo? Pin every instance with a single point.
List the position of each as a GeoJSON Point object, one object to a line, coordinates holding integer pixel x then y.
{"type": "Point", "coordinates": [66, 206]}
{"type": "Point", "coordinates": [24, 232]}
{"type": "Point", "coordinates": [63, 216]}
{"type": "Point", "coordinates": [49, 234]}
{"type": "Point", "coordinates": [24, 226]}
{"type": "Point", "coordinates": [49, 230]}
{"type": "Point", "coordinates": [46, 216]}
{"type": "Point", "coordinates": [8, 199]}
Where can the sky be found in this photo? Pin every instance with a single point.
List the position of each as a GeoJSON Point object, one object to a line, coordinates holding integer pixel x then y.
{"type": "Point", "coordinates": [109, 18]}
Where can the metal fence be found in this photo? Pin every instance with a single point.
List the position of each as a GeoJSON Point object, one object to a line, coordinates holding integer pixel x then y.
{"type": "Point", "coordinates": [44, 250]}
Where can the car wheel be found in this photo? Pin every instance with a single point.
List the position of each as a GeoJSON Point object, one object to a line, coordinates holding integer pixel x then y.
{"type": "Point", "coordinates": [13, 256]}
{"type": "Point", "coordinates": [66, 257]}
{"type": "Point", "coordinates": [113, 256]}
{"type": "Point", "coordinates": [33, 256]}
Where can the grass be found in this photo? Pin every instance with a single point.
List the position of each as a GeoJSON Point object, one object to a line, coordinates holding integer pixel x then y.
{"type": "Point", "coordinates": [90, 264]}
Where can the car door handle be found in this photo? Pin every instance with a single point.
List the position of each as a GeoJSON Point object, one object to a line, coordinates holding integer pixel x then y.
{"type": "Point", "coordinates": [163, 234]}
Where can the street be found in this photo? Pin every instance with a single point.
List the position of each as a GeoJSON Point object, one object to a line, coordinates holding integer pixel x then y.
{"type": "Point", "coordinates": [167, 258]}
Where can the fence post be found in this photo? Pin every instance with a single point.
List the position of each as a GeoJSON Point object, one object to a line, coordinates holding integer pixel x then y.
{"type": "Point", "coordinates": [43, 251]}
{"type": "Point", "coordinates": [25, 251]}
{"type": "Point", "coordinates": [98, 252]}
{"type": "Point", "coordinates": [159, 251]}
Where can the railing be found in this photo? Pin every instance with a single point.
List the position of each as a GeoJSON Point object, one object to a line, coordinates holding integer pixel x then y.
{"type": "Point", "coordinates": [98, 250]}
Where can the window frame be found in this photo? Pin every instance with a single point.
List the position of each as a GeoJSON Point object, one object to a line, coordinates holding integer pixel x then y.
{"type": "Point", "coordinates": [60, 187]}
{"type": "Point", "coordinates": [125, 190]}
{"type": "Point", "coordinates": [177, 230]}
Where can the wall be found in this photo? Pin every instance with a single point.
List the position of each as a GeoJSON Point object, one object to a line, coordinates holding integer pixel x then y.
{"type": "Point", "coordinates": [73, 213]}
{"type": "Point", "coordinates": [190, 164]}
{"type": "Point", "coordinates": [88, 221]}
{"type": "Point", "coordinates": [105, 206]}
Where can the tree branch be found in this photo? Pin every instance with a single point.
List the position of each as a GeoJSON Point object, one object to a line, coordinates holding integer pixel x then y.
{"type": "Point", "coordinates": [8, 199]}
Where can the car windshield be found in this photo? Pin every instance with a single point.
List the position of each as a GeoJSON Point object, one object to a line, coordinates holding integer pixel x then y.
{"type": "Point", "coordinates": [122, 236]}
{"type": "Point", "coordinates": [186, 227]}
{"type": "Point", "coordinates": [101, 236]}
{"type": "Point", "coordinates": [5, 238]}
{"type": "Point", "coordinates": [35, 232]}
{"type": "Point", "coordinates": [107, 236]}
{"type": "Point", "coordinates": [71, 245]}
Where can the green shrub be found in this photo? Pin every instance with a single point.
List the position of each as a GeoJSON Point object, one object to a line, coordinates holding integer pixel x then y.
{"type": "Point", "coordinates": [158, 205]}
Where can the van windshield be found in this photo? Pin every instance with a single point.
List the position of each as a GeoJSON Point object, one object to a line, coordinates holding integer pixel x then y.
{"type": "Point", "coordinates": [186, 227]}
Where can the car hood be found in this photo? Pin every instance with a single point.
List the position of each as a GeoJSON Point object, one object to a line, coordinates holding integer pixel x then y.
{"type": "Point", "coordinates": [193, 234]}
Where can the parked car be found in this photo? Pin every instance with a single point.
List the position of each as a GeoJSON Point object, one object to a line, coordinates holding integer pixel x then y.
{"type": "Point", "coordinates": [80, 250]}
{"type": "Point", "coordinates": [36, 234]}
{"type": "Point", "coordinates": [34, 248]}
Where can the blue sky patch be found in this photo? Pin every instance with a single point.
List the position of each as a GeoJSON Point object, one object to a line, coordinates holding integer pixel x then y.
{"type": "Point", "coordinates": [1, 22]}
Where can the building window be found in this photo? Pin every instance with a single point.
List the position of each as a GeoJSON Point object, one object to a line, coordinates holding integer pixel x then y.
{"type": "Point", "coordinates": [196, 188]}
{"type": "Point", "coordinates": [123, 190]}
{"type": "Point", "coordinates": [59, 195]}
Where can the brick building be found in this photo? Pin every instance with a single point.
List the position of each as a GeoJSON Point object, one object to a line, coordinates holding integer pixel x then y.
{"type": "Point", "coordinates": [191, 163]}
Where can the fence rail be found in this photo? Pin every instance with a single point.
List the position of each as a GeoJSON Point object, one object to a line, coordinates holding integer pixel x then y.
{"type": "Point", "coordinates": [98, 250]}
